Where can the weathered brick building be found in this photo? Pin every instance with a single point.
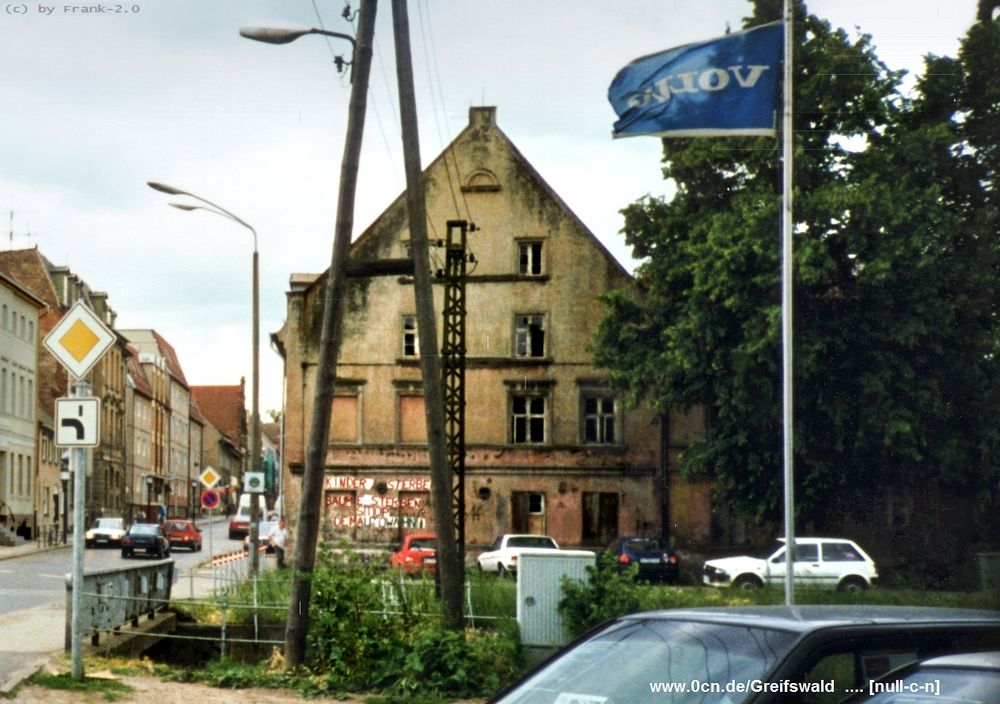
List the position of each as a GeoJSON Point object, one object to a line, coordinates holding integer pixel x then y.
{"type": "Point", "coordinates": [549, 446]}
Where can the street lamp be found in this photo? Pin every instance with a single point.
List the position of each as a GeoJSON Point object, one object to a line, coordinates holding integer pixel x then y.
{"type": "Point", "coordinates": [271, 35]}
{"type": "Point", "coordinates": [312, 475]}
{"type": "Point", "coordinates": [255, 442]}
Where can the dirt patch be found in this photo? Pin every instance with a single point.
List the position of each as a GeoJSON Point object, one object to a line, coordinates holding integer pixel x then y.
{"type": "Point", "coordinates": [147, 689]}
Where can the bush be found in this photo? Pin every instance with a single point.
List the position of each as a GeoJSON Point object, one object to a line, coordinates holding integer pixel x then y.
{"type": "Point", "coordinates": [607, 593]}
{"type": "Point", "coordinates": [351, 640]}
{"type": "Point", "coordinates": [439, 663]}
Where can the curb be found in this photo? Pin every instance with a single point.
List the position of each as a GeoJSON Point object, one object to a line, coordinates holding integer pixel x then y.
{"type": "Point", "coordinates": [17, 678]}
{"type": "Point", "coordinates": [18, 552]}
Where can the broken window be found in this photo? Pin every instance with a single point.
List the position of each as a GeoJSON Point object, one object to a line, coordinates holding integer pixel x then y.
{"type": "Point", "coordinates": [599, 420]}
{"type": "Point", "coordinates": [529, 336]}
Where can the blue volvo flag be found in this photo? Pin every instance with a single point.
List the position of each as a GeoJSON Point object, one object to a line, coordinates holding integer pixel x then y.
{"type": "Point", "coordinates": [725, 86]}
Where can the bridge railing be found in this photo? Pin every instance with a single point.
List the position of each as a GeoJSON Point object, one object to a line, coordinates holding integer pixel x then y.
{"type": "Point", "coordinates": [118, 596]}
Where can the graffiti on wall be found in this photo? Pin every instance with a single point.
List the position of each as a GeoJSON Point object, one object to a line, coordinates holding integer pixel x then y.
{"type": "Point", "coordinates": [378, 508]}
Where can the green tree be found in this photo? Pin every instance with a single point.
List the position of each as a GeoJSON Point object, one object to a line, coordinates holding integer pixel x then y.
{"type": "Point", "coordinates": [895, 287]}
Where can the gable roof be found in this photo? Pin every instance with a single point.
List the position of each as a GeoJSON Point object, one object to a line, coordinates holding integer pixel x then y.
{"type": "Point", "coordinates": [145, 339]}
{"type": "Point", "coordinates": [224, 407]}
{"type": "Point", "coordinates": [30, 269]}
{"type": "Point", "coordinates": [480, 118]}
{"type": "Point", "coordinates": [136, 374]}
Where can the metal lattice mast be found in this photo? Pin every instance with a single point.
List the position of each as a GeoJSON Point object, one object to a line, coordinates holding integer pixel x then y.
{"type": "Point", "coordinates": [453, 367]}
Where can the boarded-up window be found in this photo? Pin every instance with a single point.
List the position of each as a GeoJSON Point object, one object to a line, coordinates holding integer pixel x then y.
{"type": "Point", "coordinates": [344, 419]}
{"type": "Point", "coordinates": [600, 517]}
{"type": "Point", "coordinates": [527, 512]}
{"type": "Point", "coordinates": [412, 419]}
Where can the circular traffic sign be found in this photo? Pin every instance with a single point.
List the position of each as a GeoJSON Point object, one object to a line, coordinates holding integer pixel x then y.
{"type": "Point", "coordinates": [209, 499]}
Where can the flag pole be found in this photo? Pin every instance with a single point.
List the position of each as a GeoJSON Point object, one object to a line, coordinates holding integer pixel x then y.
{"type": "Point", "coordinates": [786, 310]}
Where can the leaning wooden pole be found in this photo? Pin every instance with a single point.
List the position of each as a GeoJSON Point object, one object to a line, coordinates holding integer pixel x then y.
{"type": "Point", "coordinates": [450, 563]}
{"type": "Point", "coordinates": [310, 505]}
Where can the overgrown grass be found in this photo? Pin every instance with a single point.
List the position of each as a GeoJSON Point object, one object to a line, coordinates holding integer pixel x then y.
{"type": "Point", "coordinates": [110, 690]}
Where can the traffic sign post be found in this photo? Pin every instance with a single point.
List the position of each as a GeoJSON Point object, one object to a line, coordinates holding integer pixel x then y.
{"type": "Point", "coordinates": [78, 341]}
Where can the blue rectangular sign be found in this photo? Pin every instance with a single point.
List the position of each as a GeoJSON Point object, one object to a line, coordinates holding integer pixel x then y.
{"type": "Point", "coordinates": [724, 86]}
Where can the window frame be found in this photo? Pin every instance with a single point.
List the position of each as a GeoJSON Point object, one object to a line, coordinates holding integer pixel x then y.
{"type": "Point", "coordinates": [524, 335]}
{"type": "Point", "coordinates": [530, 257]}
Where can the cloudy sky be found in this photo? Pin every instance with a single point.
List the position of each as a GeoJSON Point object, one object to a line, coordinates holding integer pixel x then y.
{"type": "Point", "coordinates": [92, 106]}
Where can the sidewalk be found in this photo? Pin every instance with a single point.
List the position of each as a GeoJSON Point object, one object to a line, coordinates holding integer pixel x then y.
{"type": "Point", "coordinates": [29, 548]}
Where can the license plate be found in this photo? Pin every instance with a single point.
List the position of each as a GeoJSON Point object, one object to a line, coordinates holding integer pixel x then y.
{"type": "Point", "coordinates": [430, 560]}
{"type": "Point", "coordinates": [649, 561]}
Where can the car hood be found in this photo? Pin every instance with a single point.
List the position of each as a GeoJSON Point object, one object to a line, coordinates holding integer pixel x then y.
{"type": "Point", "coordinates": [742, 563]}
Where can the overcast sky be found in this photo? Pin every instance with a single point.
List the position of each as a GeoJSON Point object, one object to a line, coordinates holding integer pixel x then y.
{"type": "Point", "coordinates": [92, 106]}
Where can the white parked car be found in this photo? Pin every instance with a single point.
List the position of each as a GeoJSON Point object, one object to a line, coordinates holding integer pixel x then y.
{"type": "Point", "coordinates": [105, 531]}
{"type": "Point", "coordinates": [819, 562]}
{"type": "Point", "coordinates": [501, 557]}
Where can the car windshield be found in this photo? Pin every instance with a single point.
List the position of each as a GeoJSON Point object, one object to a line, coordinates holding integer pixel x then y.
{"type": "Point", "coordinates": [643, 545]}
{"type": "Point", "coordinates": [423, 544]}
{"type": "Point", "coordinates": [656, 661]}
{"type": "Point", "coordinates": [180, 527]}
{"type": "Point", "coordinates": [531, 542]}
{"type": "Point", "coordinates": [108, 523]}
{"type": "Point", "coordinates": [766, 552]}
{"type": "Point", "coordinates": [143, 529]}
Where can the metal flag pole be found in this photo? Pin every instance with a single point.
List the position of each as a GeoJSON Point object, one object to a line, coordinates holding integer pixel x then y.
{"type": "Point", "coordinates": [786, 311]}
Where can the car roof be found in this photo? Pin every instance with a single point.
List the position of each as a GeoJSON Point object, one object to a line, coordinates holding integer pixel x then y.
{"type": "Point", "coordinates": [806, 618]}
{"type": "Point", "coordinates": [987, 660]}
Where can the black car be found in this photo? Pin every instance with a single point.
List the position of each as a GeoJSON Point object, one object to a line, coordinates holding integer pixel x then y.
{"type": "Point", "coordinates": [750, 655]}
{"type": "Point", "coordinates": [971, 678]}
{"type": "Point", "coordinates": [656, 560]}
{"type": "Point", "coordinates": [145, 537]}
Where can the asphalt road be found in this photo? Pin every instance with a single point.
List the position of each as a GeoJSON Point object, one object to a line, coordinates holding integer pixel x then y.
{"type": "Point", "coordinates": [33, 595]}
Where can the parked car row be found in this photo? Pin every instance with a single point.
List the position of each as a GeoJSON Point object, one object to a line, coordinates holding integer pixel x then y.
{"type": "Point", "coordinates": [151, 538]}
{"type": "Point", "coordinates": [833, 563]}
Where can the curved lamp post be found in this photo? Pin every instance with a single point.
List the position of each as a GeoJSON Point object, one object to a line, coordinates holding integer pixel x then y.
{"type": "Point", "coordinates": [312, 476]}
{"type": "Point", "coordinates": [255, 441]}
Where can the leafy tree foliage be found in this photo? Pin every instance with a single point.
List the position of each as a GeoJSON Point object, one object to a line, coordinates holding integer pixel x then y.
{"type": "Point", "coordinates": [895, 294]}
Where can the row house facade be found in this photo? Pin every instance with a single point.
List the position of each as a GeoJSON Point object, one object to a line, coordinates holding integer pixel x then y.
{"type": "Point", "coordinates": [168, 483]}
{"type": "Point", "coordinates": [550, 446]}
{"type": "Point", "coordinates": [150, 451]}
{"type": "Point", "coordinates": [19, 456]}
{"type": "Point", "coordinates": [225, 440]}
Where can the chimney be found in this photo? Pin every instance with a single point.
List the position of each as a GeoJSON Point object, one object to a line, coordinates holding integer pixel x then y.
{"type": "Point", "coordinates": [483, 116]}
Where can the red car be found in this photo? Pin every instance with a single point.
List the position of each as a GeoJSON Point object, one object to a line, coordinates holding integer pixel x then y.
{"type": "Point", "coordinates": [182, 533]}
{"type": "Point", "coordinates": [417, 555]}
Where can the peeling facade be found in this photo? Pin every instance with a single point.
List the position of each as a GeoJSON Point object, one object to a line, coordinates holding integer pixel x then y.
{"type": "Point", "coordinates": [550, 448]}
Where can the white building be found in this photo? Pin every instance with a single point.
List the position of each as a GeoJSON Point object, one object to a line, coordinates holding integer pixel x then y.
{"type": "Point", "coordinates": [19, 339]}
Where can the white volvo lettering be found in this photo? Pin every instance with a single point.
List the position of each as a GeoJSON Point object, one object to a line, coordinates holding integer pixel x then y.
{"type": "Point", "coordinates": [709, 80]}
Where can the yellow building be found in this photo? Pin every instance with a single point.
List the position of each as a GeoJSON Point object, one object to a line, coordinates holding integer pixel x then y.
{"type": "Point", "coordinates": [550, 448]}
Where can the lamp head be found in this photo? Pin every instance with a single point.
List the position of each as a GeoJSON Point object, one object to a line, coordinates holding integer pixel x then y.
{"type": "Point", "coordinates": [272, 35]}
{"type": "Point", "coordinates": [164, 188]}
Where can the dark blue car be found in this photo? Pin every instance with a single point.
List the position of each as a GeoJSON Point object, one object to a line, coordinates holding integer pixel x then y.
{"type": "Point", "coordinates": [656, 560]}
{"type": "Point", "coordinates": [145, 537]}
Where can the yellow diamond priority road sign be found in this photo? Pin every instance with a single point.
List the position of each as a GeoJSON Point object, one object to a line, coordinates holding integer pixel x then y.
{"type": "Point", "coordinates": [79, 340]}
{"type": "Point", "coordinates": [210, 478]}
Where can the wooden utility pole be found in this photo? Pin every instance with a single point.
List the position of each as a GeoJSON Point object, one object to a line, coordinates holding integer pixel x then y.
{"type": "Point", "coordinates": [310, 505]}
{"type": "Point", "coordinates": [450, 565]}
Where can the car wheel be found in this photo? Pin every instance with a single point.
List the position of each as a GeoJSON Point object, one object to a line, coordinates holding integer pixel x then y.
{"type": "Point", "coordinates": [852, 585]}
{"type": "Point", "coordinates": [88, 543]}
{"type": "Point", "coordinates": [126, 554]}
{"type": "Point", "coordinates": [747, 583]}
{"type": "Point", "coordinates": [502, 571]}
